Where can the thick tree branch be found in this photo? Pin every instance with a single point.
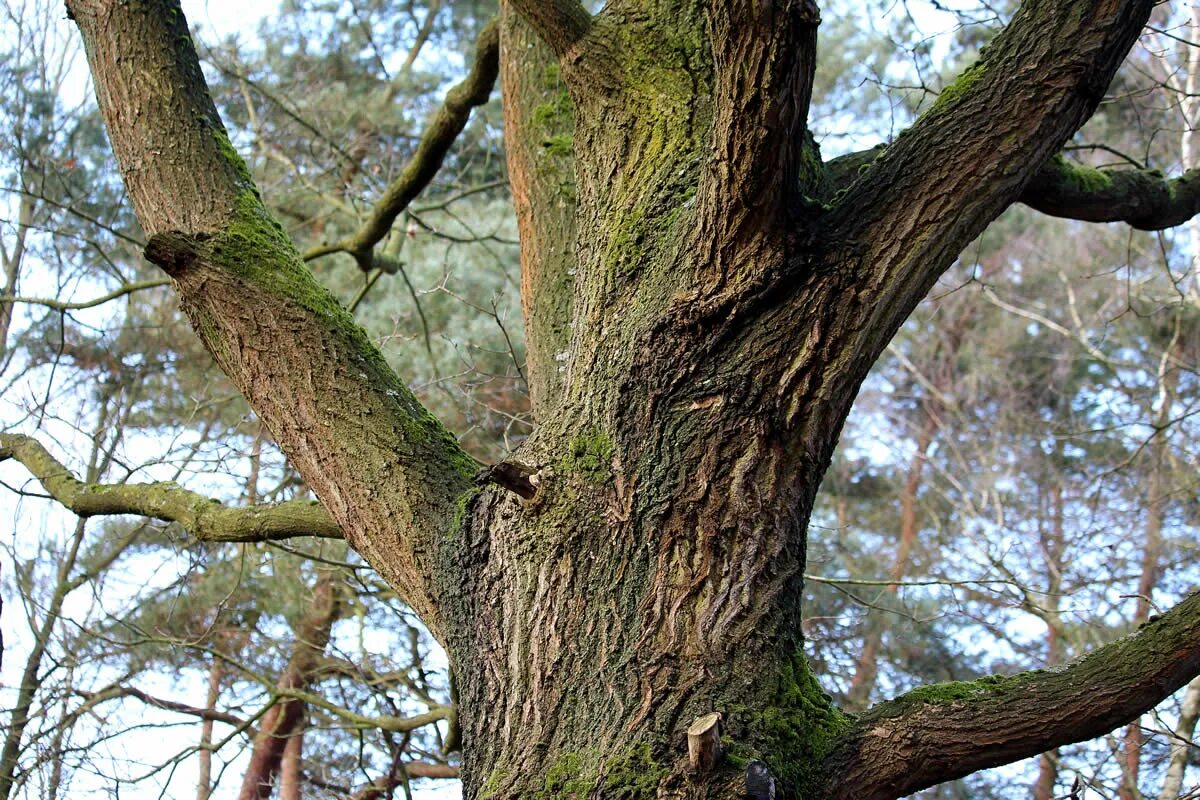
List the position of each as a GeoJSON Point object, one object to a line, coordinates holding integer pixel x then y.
{"type": "Point", "coordinates": [1143, 198]}
{"type": "Point", "coordinates": [389, 474]}
{"type": "Point", "coordinates": [560, 23]}
{"type": "Point", "coordinates": [203, 517]}
{"type": "Point", "coordinates": [941, 732]}
{"type": "Point", "coordinates": [431, 151]}
{"type": "Point", "coordinates": [944, 180]}
{"type": "Point", "coordinates": [765, 57]}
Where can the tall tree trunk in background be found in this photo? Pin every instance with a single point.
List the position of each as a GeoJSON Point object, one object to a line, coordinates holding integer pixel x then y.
{"type": "Point", "coordinates": [1052, 547]}
{"type": "Point", "coordinates": [1181, 744]}
{"type": "Point", "coordinates": [1185, 728]}
{"type": "Point", "coordinates": [696, 343]}
{"type": "Point", "coordinates": [938, 375]}
{"type": "Point", "coordinates": [10, 260]}
{"type": "Point", "coordinates": [866, 668]}
{"type": "Point", "coordinates": [1152, 543]}
{"type": "Point", "coordinates": [283, 723]}
{"type": "Point", "coordinates": [291, 772]}
{"type": "Point", "coordinates": [216, 673]}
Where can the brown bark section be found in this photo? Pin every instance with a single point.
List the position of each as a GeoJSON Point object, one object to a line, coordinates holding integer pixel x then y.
{"type": "Point", "coordinates": [283, 724]}
{"type": "Point", "coordinates": [291, 771]}
{"type": "Point", "coordinates": [345, 420]}
{"type": "Point", "coordinates": [538, 121]}
{"type": "Point", "coordinates": [216, 673]}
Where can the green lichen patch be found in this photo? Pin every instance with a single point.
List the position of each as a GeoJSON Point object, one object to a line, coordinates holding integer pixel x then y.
{"type": "Point", "coordinates": [812, 168]}
{"type": "Point", "coordinates": [635, 775]}
{"type": "Point", "coordinates": [230, 154]}
{"type": "Point", "coordinates": [254, 247]}
{"type": "Point", "coordinates": [632, 774]}
{"type": "Point", "coordinates": [561, 144]}
{"type": "Point", "coordinates": [567, 779]}
{"type": "Point", "coordinates": [462, 509]}
{"type": "Point", "coordinates": [493, 783]}
{"type": "Point", "coordinates": [948, 692]}
{"type": "Point", "coordinates": [589, 457]}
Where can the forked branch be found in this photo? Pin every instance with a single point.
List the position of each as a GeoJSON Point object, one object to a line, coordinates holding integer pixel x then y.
{"type": "Point", "coordinates": [938, 186]}
{"type": "Point", "coordinates": [435, 143]}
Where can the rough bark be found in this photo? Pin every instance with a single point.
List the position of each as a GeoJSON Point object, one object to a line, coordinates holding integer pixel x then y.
{"type": "Point", "coordinates": [538, 131]}
{"type": "Point", "coordinates": [708, 315]}
{"type": "Point", "coordinates": [343, 418]}
{"type": "Point", "coordinates": [947, 730]}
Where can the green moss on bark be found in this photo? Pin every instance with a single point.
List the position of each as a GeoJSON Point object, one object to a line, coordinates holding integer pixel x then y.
{"type": "Point", "coordinates": [1080, 177]}
{"type": "Point", "coordinates": [254, 247]}
{"type": "Point", "coordinates": [634, 775]}
{"type": "Point", "coordinates": [948, 692]}
{"type": "Point", "coordinates": [794, 735]}
{"type": "Point", "coordinates": [589, 457]}
{"type": "Point", "coordinates": [567, 779]}
{"type": "Point", "coordinates": [959, 88]}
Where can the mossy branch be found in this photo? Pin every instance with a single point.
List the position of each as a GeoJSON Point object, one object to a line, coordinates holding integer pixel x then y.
{"type": "Point", "coordinates": [945, 731]}
{"type": "Point", "coordinates": [1144, 198]}
{"type": "Point", "coordinates": [431, 151]}
{"type": "Point", "coordinates": [205, 518]}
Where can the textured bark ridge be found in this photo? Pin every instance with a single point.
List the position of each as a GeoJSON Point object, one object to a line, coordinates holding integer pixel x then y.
{"type": "Point", "coordinates": [703, 298]}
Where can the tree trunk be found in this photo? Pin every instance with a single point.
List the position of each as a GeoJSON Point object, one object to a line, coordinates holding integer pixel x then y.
{"type": "Point", "coordinates": [291, 771]}
{"type": "Point", "coordinates": [1152, 544]}
{"type": "Point", "coordinates": [866, 668]}
{"type": "Point", "coordinates": [216, 672]}
{"type": "Point", "coordinates": [1053, 542]}
{"type": "Point", "coordinates": [704, 301]}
